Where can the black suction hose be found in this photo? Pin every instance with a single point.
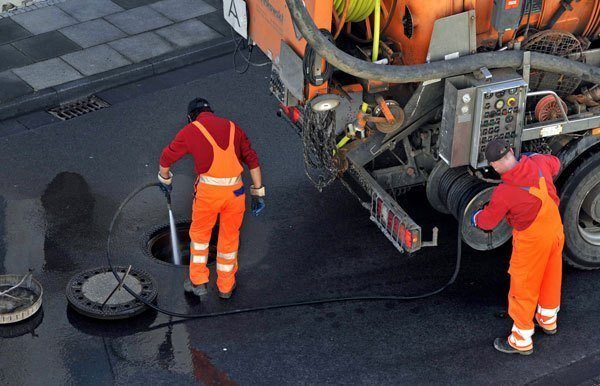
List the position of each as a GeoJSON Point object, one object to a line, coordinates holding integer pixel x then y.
{"type": "Point", "coordinates": [429, 71]}
{"type": "Point", "coordinates": [272, 306]}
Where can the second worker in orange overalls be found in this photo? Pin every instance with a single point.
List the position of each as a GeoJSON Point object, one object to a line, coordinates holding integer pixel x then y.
{"type": "Point", "coordinates": [527, 198]}
{"type": "Point", "coordinates": [219, 148]}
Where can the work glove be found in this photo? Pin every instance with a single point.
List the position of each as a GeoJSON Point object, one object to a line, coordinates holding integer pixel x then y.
{"type": "Point", "coordinates": [258, 199]}
{"type": "Point", "coordinates": [165, 184]}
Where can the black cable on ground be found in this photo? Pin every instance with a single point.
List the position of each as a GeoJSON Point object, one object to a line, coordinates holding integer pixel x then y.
{"type": "Point", "coordinates": [272, 306]}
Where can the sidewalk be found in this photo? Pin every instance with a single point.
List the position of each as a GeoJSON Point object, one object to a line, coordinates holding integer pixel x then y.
{"type": "Point", "coordinates": [65, 50]}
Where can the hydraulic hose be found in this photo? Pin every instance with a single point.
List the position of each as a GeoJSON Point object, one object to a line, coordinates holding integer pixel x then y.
{"type": "Point", "coordinates": [376, 30]}
{"type": "Point", "coordinates": [436, 70]}
{"type": "Point", "coordinates": [132, 195]}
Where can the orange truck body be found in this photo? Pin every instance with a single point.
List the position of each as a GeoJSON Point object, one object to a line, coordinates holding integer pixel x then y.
{"type": "Point", "coordinates": [270, 22]}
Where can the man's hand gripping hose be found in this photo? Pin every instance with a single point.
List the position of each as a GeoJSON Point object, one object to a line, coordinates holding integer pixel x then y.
{"type": "Point", "coordinates": [363, 298]}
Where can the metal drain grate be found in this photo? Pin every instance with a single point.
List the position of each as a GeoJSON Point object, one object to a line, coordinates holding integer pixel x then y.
{"type": "Point", "coordinates": [79, 108]}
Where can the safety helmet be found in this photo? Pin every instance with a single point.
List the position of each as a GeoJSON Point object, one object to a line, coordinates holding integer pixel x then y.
{"type": "Point", "coordinates": [196, 106]}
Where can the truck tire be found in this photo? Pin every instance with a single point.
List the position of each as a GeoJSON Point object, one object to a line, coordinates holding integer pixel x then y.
{"type": "Point", "coordinates": [582, 233]}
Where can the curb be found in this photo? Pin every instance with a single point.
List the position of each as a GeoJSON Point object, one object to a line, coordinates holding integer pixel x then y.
{"type": "Point", "coordinates": [80, 88]}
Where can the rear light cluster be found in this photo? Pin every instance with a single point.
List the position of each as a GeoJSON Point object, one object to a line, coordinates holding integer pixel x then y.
{"type": "Point", "coordinates": [291, 112]}
{"type": "Point", "coordinates": [392, 226]}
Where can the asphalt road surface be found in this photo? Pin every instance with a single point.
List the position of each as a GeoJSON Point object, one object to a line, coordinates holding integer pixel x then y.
{"type": "Point", "coordinates": [60, 184]}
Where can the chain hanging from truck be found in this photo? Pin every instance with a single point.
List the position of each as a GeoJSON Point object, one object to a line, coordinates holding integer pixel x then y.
{"type": "Point", "coordinates": [319, 147]}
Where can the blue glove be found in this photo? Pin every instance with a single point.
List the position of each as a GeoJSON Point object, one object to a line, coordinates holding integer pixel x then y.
{"type": "Point", "coordinates": [258, 199]}
{"type": "Point", "coordinates": [165, 184]}
{"type": "Point", "coordinates": [258, 204]}
{"type": "Point", "coordinates": [473, 219]}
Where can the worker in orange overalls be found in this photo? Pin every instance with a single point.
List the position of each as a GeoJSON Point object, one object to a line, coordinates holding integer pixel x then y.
{"type": "Point", "coordinates": [219, 148]}
{"type": "Point", "coordinates": [527, 198]}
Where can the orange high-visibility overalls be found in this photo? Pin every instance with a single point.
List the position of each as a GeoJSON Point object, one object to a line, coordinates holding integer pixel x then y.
{"type": "Point", "coordinates": [536, 271]}
{"type": "Point", "coordinates": [218, 192]}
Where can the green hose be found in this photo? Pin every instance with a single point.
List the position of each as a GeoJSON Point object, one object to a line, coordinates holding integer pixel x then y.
{"type": "Point", "coordinates": [358, 10]}
{"type": "Point", "coordinates": [376, 29]}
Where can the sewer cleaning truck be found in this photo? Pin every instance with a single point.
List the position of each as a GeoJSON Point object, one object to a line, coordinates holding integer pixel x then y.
{"type": "Point", "coordinates": [389, 95]}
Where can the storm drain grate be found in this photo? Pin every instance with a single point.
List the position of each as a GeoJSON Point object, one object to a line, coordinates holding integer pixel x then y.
{"type": "Point", "coordinates": [79, 108]}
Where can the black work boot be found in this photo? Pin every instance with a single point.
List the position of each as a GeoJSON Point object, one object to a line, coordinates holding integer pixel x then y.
{"type": "Point", "coordinates": [198, 290]}
{"type": "Point", "coordinates": [502, 345]}
{"type": "Point", "coordinates": [227, 295]}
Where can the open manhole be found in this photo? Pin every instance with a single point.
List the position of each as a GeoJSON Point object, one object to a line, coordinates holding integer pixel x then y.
{"type": "Point", "coordinates": [95, 292]}
{"type": "Point", "coordinates": [157, 243]}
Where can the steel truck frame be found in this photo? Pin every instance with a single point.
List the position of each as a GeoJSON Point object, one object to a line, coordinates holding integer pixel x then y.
{"type": "Point", "coordinates": [398, 95]}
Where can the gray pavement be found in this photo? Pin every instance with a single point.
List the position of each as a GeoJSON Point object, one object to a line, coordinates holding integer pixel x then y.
{"type": "Point", "coordinates": [44, 50]}
{"type": "Point", "coordinates": [61, 182]}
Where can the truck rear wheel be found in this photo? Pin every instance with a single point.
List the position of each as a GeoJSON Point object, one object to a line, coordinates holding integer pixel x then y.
{"type": "Point", "coordinates": [580, 210]}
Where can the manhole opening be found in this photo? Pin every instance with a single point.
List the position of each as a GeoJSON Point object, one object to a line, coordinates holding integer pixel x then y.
{"type": "Point", "coordinates": [78, 108]}
{"type": "Point", "coordinates": [158, 243]}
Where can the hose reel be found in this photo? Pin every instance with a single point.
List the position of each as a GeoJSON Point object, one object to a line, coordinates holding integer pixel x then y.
{"type": "Point", "coordinates": [463, 194]}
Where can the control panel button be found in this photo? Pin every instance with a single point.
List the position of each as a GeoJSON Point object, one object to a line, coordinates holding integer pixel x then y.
{"type": "Point", "coordinates": [499, 104]}
{"type": "Point", "coordinates": [511, 102]}
{"type": "Point", "coordinates": [466, 98]}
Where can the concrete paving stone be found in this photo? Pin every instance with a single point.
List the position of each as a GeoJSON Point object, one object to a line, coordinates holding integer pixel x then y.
{"type": "Point", "coordinates": [95, 59]}
{"type": "Point", "coordinates": [11, 86]}
{"type": "Point", "coordinates": [215, 21]}
{"type": "Point", "coordinates": [92, 33]}
{"type": "Point", "coordinates": [137, 20]}
{"type": "Point", "coordinates": [188, 33]}
{"type": "Point", "coordinates": [11, 57]}
{"type": "Point", "coordinates": [128, 4]}
{"type": "Point", "coordinates": [47, 73]}
{"type": "Point", "coordinates": [46, 46]}
{"type": "Point", "coordinates": [142, 47]}
{"type": "Point", "coordinates": [180, 10]}
{"type": "Point", "coordinates": [11, 31]}
{"type": "Point", "coordinates": [44, 20]}
{"type": "Point", "coordinates": [84, 10]}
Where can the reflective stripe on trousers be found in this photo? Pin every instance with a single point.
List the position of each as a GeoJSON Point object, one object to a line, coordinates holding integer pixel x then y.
{"type": "Point", "coordinates": [215, 197]}
{"type": "Point", "coordinates": [536, 268]}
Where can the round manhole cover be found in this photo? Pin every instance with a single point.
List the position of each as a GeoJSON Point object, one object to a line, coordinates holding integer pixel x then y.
{"type": "Point", "coordinates": [88, 291]}
{"type": "Point", "coordinates": [157, 243]}
{"type": "Point", "coordinates": [20, 297]}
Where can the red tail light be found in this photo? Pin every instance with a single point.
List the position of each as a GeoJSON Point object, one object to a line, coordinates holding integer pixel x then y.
{"type": "Point", "coordinates": [400, 233]}
{"type": "Point", "coordinates": [408, 239]}
{"type": "Point", "coordinates": [390, 222]}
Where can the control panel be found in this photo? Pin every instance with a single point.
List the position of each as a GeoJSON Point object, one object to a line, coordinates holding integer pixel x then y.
{"type": "Point", "coordinates": [499, 113]}
{"type": "Point", "coordinates": [477, 111]}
